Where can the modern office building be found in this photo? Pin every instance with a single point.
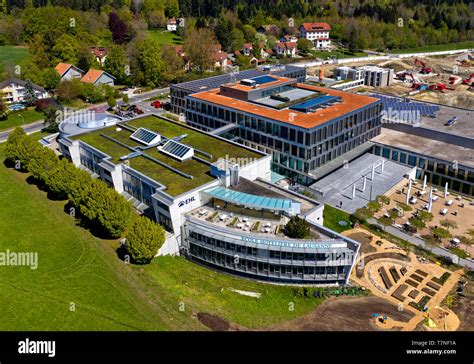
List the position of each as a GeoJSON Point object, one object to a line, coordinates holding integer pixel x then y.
{"type": "Point", "coordinates": [214, 197]}
{"type": "Point", "coordinates": [437, 140]}
{"type": "Point", "coordinates": [304, 127]}
{"type": "Point", "coordinates": [179, 92]}
{"type": "Point", "coordinates": [358, 76]}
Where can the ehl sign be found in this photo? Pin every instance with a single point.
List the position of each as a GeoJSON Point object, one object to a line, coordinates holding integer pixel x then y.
{"type": "Point", "coordinates": [185, 202]}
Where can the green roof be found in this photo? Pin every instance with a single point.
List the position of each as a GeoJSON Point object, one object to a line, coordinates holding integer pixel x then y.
{"type": "Point", "coordinates": [174, 182]}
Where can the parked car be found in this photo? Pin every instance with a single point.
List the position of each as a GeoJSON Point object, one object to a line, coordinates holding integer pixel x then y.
{"type": "Point", "coordinates": [156, 104]}
{"type": "Point", "coordinates": [135, 109]}
{"type": "Point", "coordinates": [15, 107]}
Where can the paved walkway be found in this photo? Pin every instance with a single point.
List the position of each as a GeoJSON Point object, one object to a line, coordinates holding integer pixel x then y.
{"type": "Point", "coordinates": [421, 243]}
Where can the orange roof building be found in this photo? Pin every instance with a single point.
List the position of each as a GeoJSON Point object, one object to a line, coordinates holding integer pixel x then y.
{"type": "Point", "coordinates": [68, 71]}
{"type": "Point", "coordinates": [303, 126]}
{"type": "Point", "coordinates": [97, 77]}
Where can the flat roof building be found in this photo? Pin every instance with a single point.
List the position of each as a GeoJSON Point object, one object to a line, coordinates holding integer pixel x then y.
{"type": "Point", "coordinates": [179, 92]}
{"type": "Point", "coordinates": [302, 126]}
{"type": "Point", "coordinates": [214, 197]}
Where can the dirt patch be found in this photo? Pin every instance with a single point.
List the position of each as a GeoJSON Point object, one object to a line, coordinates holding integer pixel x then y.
{"type": "Point", "coordinates": [399, 256]}
{"type": "Point", "coordinates": [215, 323]}
{"type": "Point", "coordinates": [346, 314]}
{"type": "Point", "coordinates": [364, 240]}
{"type": "Point", "coordinates": [464, 308]}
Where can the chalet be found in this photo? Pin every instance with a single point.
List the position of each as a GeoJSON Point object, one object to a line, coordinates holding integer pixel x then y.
{"type": "Point", "coordinates": [287, 49]}
{"type": "Point", "coordinates": [172, 25]}
{"type": "Point", "coordinates": [100, 54]}
{"type": "Point", "coordinates": [98, 77]}
{"type": "Point", "coordinates": [219, 57]}
{"type": "Point", "coordinates": [318, 33]}
{"type": "Point", "coordinates": [68, 71]}
{"type": "Point", "coordinates": [13, 90]}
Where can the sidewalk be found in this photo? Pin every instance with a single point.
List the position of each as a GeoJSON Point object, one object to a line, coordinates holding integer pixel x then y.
{"type": "Point", "coordinates": [420, 242]}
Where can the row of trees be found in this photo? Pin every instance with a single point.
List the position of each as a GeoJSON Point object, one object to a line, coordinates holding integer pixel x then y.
{"type": "Point", "coordinates": [101, 208]}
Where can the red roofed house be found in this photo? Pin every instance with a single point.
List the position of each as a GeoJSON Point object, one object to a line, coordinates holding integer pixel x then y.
{"type": "Point", "coordinates": [98, 77]}
{"type": "Point", "coordinates": [285, 49]}
{"type": "Point", "coordinates": [318, 33]}
{"type": "Point", "coordinates": [100, 54]}
{"type": "Point", "coordinates": [68, 71]}
{"type": "Point", "coordinates": [247, 49]}
{"type": "Point", "coordinates": [219, 57]}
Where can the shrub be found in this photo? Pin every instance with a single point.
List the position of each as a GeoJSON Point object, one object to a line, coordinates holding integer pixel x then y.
{"type": "Point", "coordinates": [144, 238]}
{"type": "Point", "coordinates": [297, 228]}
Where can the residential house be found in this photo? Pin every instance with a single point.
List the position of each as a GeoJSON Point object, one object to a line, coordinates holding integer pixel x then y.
{"type": "Point", "coordinates": [287, 49]}
{"type": "Point", "coordinates": [68, 71]}
{"type": "Point", "coordinates": [247, 49]}
{"type": "Point", "coordinates": [100, 54]}
{"type": "Point", "coordinates": [318, 33]}
{"type": "Point", "coordinates": [289, 38]}
{"type": "Point", "coordinates": [13, 90]}
{"type": "Point", "coordinates": [219, 57]}
{"type": "Point", "coordinates": [172, 25]}
{"type": "Point", "coordinates": [98, 77]}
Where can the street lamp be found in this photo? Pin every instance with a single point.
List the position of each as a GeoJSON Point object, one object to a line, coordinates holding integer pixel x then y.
{"type": "Point", "coordinates": [22, 119]}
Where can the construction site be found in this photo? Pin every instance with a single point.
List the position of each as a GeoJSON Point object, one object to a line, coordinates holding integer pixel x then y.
{"type": "Point", "coordinates": [447, 80]}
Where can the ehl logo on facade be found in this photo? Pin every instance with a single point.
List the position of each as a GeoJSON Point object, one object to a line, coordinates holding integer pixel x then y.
{"type": "Point", "coordinates": [185, 202]}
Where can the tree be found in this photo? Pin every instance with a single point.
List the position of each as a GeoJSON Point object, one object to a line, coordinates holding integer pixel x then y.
{"type": "Point", "coordinates": [3, 109]}
{"type": "Point", "coordinates": [249, 32]}
{"type": "Point", "coordinates": [448, 224]}
{"type": "Point", "coordinates": [199, 52]}
{"type": "Point", "coordinates": [431, 242]}
{"type": "Point", "coordinates": [353, 41]}
{"type": "Point", "coordinates": [85, 60]}
{"type": "Point", "coordinates": [175, 64]}
{"type": "Point", "coordinates": [69, 89]}
{"type": "Point", "coordinates": [223, 32]}
{"type": "Point", "coordinates": [362, 214]}
{"type": "Point", "coordinates": [385, 221]}
{"type": "Point", "coordinates": [51, 78]}
{"type": "Point", "coordinates": [125, 98]}
{"type": "Point", "coordinates": [374, 206]}
{"type": "Point", "coordinates": [425, 216]}
{"type": "Point", "coordinates": [441, 233]}
{"type": "Point", "coordinates": [143, 240]}
{"type": "Point", "coordinates": [116, 63]}
{"type": "Point", "coordinates": [111, 102]}
{"type": "Point", "coordinates": [417, 223]}
{"type": "Point", "coordinates": [297, 228]}
{"type": "Point", "coordinates": [149, 63]}
{"type": "Point", "coordinates": [51, 120]}
{"type": "Point", "coordinates": [66, 49]}
{"type": "Point", "coordinates": [466, 241]}
{"type": "Point", "coordinates": [118, 28]}
{"type": "Point", "coordinates": [383, 199]}
{"type": "Point", "coordinates": [304, 45]}
{"type": "Point", "coordinates": [30, 96]}
{"type": "Point", "coordinates": [237, 39]}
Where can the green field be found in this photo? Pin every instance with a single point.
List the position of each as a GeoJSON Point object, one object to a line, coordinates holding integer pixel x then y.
{"type": "Point", "coordinates": [22, 117]}
{"type": "Point", "coordinates": [164, 37]}
{"type": "Point", "coordinates": [12, 55]}
{"type": "Point", "coordinates": [78, 270]}
{"type": "Point", "coordinates": [338, 54]}
{"type": "Point", "coordinates": [436, 48]}
{"type": "Point", "coordinates": [332, 216]}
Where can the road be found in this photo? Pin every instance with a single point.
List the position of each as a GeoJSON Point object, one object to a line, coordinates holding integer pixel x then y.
{"type": "Point", "coordinates": [135, 99]}
{"type": "Point", "coordinates": [421, 243]}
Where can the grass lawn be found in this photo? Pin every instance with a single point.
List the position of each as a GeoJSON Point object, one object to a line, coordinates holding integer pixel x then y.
{"type": "Point", "coordinates": [332, 216]}
{"type": "Point", "coordinates": [13, 55]}
{"type": "Point", "coordinates": [435, 48]}
{"type": "Point", "coordinates": [337, 54]}
{"type": "Point", "coordinates": [164, 37]}
{"type": "Point", "coordinates": [78, 270]}
{"type": "Point", "coordinates": [21, 117]}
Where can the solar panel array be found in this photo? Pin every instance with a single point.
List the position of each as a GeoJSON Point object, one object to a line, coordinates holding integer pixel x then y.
{"type": "Point", "coordinates": [175, 149]}
{"type": "Point", "coordinates": [145, 136]}
{"type": "Point", "coordinates": [392, 103]}
{"type": "Point", "coordinates": [210, 83]}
